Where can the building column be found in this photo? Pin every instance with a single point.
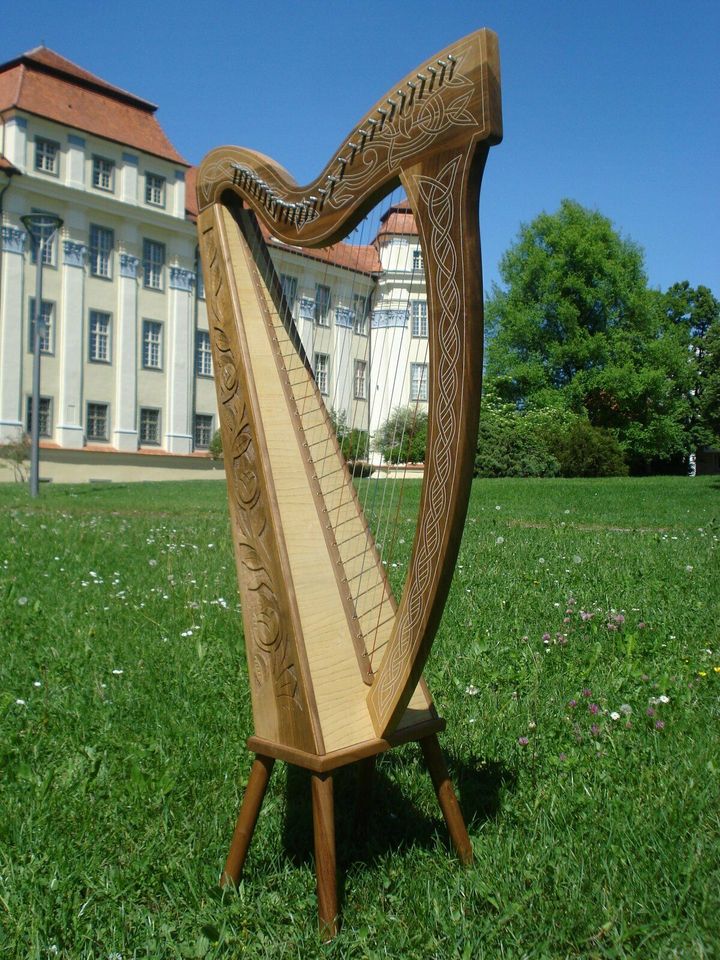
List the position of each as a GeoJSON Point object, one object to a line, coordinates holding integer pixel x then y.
{"type": "Point", "coordinates": [15, 145]}
{"type": "Point", "coordinates": [75, 163]}
{"type": "Point", "coordinates": [125, 414]}
{"type": "Point", "coordinates": [70, 412]}
{"type": "Point", "coordinates": [180, 369]}
{"type": "Point", "coordinates": [11, 333]}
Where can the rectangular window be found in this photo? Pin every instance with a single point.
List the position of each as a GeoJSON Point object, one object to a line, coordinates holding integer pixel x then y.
{"type": "Point", "coordinates": [102, 241]}
{"type": "Point", "coordinates": [322, 305]}
{"type": "Point", "coordinates": [153, 263]}
{"type": "Point", "coordinates": [47, 326]}
{"type": "Point", "coordinates": [417, 260]}
{"type": "Point", "coordinates": [103, 173]}
{"type": "Point", "coordinates": [99, 337]}
{"type": "Point", "coordinates": [45, 416]}
{"type": "Point", "coordinates": [419, 318]}
{"type": "Point", "coordinates": [322, 372]}
{"type": "Point", "coordinates": [152, 345]}
{"type": "Point", "coordinates": [149, 425]}
{"type": "Point", "coordinates": [203, 354]}
{"type": "Point", "coordinates": [203, 430]}
{"type": "Point", "coordinates": [154, 189]}
{"type": "Point", "coordinates": [200, 285]}
{"type": "Point", "coordinates": [360, 379]}
{"type": "Point", "coordinates": [49, 246]}
{"type": "Point", "coordinates": [47, 154]}
{"type": "Point", "coordinates": [97, 421]}
{"type": "Point", "coordinates": [360, 311]}
{"type": "Point", "coordinates": [419, 382]}
{"type": "Point", "coordinates": [289, 289]}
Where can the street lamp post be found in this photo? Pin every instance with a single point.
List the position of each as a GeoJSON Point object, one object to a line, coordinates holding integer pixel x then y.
{"type": "Point", "coordinates": [42, 228]}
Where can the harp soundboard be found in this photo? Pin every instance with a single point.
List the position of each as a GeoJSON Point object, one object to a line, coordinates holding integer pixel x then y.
{"type": "Point", "coordinates": [335, 644]}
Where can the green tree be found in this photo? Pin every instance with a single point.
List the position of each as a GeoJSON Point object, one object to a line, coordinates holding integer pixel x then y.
{"type": "Point", "coordinates": [695, 312]}
{"type": "Point", "coordinates": [577, 326]}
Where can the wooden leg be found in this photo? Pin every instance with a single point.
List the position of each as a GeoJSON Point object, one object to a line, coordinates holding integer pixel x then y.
{"type": "Point", "coordinates": [247, 818]}
{"type": "Point", "coordinates": [363, 801]}
{"type": "Point", "coordinates": [446, 798]}
{"type": "Point", "coordinates": [324, 823]}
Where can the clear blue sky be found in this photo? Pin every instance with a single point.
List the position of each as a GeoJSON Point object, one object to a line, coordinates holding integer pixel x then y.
{"type": "Point", "coordinates": [614, 104]}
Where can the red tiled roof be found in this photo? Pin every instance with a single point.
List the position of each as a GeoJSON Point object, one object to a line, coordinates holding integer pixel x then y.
{"type": "Point", "coordinates": [398, 219]}
{"type": "Point", "coordinates": [191, 204]}
{"type": "Point", "coordinates": [44, 83]}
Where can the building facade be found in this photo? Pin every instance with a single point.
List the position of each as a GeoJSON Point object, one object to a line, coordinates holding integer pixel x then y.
{"type": "Point", "coordinates": [126, 370]}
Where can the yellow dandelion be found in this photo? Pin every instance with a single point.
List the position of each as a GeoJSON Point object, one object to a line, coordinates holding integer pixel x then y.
{"type": "Point", "coordinates": [716, 669]}
{"type": "Point", "coordinates": [702, 673]}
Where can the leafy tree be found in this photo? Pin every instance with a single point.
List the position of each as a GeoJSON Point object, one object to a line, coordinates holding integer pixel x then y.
{"type": "Point", "coordinates": [696, 314]}
{"type": "Point", "coordinates": [708, 394]}
{"type": "Point", "coordinates": [578, 327]}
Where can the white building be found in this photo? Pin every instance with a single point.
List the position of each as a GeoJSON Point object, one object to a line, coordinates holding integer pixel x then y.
{"type": "Point", "coordinates": [126, 374]}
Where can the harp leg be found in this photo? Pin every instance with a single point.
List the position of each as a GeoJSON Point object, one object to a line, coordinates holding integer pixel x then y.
{"type": "Point", "coordinates": [365, 781]}
{"type": "Point", "coordinates": [247, 818]}
{"type": "Point", "coordinates": [324, 824]}
{"type": "Point", "coordinates": [446, 798]}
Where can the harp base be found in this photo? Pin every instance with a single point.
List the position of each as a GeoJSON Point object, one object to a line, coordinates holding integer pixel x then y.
{"type": "Point", "coordinates": [321, 769]}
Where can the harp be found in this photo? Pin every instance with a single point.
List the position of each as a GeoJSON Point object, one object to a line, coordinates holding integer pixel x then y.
{"type": "Point", "coordinates": [335, 649]}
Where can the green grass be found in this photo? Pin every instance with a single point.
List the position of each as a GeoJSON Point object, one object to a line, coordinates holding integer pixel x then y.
{"type": "Point", "coordinates": [119, 790]}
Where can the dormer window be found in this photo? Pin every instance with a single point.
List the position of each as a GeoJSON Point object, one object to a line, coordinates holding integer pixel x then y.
{"type": "Point", "coordinates": [102, 173]}
{"type": "Point", "coordinates": [154, 190]}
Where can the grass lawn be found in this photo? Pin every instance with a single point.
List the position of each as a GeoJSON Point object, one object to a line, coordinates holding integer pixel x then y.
{"type": "Point", "coordinates": [578, 666]}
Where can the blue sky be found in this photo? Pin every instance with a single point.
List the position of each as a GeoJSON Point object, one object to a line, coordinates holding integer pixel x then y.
{"type": "Point", "coordinates": [614, 104]}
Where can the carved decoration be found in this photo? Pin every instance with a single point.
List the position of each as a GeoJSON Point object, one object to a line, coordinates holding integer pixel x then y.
{"type": "Point", "coordinates": [271, 657]}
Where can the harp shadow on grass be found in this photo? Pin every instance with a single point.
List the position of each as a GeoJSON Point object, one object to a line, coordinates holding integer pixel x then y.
{"type": "Point", "coordinates": [402, 811]}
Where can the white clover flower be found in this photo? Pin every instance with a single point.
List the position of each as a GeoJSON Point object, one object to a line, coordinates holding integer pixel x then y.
{"type": "Point", "coordinates": [22, 601]}
{"type": "Point", "coordinates": [472, 690]}
{"type": "Point", "coordinates": [20, 702]}
{"type": "Point", "coordinates": [36, 683]}
{"type": "Point", "coordinates": [499, 540]}
{"type": "Point", "coordinates": [626, 709]}
{"type": "Point", "coordinates": [614, 715]}
{"type": "Point", "coordinates": [663, 698]}
{"type": "Point", "coordinates": [118, 673]}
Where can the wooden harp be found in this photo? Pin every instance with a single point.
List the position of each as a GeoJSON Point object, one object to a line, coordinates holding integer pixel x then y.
{"type": "Point", "coordinates": [316, 598]}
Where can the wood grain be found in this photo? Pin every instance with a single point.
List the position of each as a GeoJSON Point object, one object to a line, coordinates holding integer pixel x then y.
{"type": "Point", "coordinates": [247, 820]}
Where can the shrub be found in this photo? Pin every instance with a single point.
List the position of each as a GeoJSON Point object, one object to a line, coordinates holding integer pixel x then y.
{"type": "Point", "coordinates": [403, 436]}
{"type": "Point", "coordinates": [583, 450]}
{"type": "Point", "coordinates": [17, 452]}
{"type": "Point", "coordinates": [511, 444]}
{"type": "Point", "coordinates": [215, 449]}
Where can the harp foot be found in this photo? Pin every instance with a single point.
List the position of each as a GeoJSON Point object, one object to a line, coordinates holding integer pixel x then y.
{"type": "Point", "coordinates": [324, 826]}
{"type": "Point", "coordinates": [247, 819]}
{"type": "Point", "coordinates": [446, 798]}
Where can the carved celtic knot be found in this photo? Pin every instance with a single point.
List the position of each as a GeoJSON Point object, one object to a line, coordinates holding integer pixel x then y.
{"type": "Point", "coordinates": [438, 194]}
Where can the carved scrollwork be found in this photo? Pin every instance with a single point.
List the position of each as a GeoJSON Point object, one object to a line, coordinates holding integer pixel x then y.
{"type": "Point", "coordinates": [266, 622]}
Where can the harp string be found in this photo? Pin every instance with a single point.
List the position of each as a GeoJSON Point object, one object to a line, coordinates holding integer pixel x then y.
{"type": "Point", "coordinates": [300, 342]}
